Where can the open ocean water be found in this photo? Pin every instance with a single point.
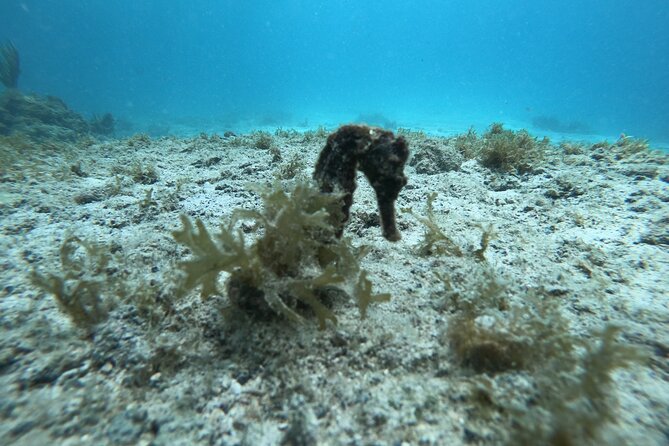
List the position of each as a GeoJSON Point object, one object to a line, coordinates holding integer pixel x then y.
{"type": "Point", "coordinates": [586, 69]}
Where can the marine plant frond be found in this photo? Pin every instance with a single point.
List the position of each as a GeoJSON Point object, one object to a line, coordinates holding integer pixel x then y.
{"type": "Point", "coordinates": [587, 403]}
{"type": "Point", "coordinates": [364, 296]}
{"type": "Point", "coordinates": [600, 361]}
{"type": "Point", "coordinates": [295, 262]}
{"type": "Point", "coordinates": [435, 240]}
{"type": "Point", "coordinates": [80, 299]}
{"type": "Point", "coordinates": [81, 288]}
{"type": "Point", "coordinates": [307, 291]}
{"type": "Point", "coordinates": [210, 257]}
{"type": "Point", "coordinates": [488, 233]}
{"type": "Point", "coordinates": [9, 65]}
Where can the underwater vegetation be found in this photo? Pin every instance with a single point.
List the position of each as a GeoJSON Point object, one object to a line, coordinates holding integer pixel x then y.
{"type": "Point", "coordinates": [574, 399]}
{"type": "Point", "coordinates": [503, 150]}
{"type": "Point", "coordinates": [496, 332]}
{"type": "Point", "coordinates": [81, 284]}
{"type": "Point", "coordinates": [435, 240]}
{"type": "Point", "coordinates": [300, 258]}
{"type": "Point", "coordinates": [9, 65]}
{"type": "Point", "coordinates": [291, 168]}
{"type": "Point", "coordinates": [263, 141]}
{"type": "Point", "coordinates": [315, 135]}
{"type": "Point", "coordinates": [296, 262]}
{"type": "Point", "coordinates": [628, 146]}
{"type": "Point", "coordinates": [506, 357]}
{"type": "Point", "coordinates": [490, 335]}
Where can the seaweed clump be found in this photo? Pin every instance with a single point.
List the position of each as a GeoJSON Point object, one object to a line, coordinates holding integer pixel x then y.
{"type": "Point", "coordinates": [297, 263]}
{"type": "Point", "coordinates": [628, 146]}
{"type": "Point", "coordinates": [509, 151]}
{"type": "Point", "coordinates": [574, 402]}
{"type": "Point", "coordinates": [491, 336]}
{"type": "Point", "coordinates": [435, 240]}
{"type": "Point", "coordinates": [570, 400]}
{"type": "Point", "coordinates": [80, 289]}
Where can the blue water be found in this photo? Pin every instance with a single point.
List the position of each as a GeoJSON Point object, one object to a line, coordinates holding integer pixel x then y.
{"type": "Point", "coordinates": [598, 67]}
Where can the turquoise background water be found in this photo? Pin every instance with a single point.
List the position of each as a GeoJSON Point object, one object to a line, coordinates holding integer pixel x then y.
{"type": "Point", "coordinates": [598, 67]}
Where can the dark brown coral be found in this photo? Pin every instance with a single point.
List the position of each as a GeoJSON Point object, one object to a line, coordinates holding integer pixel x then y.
{"type": "Point", "coordinates": [379, 155]}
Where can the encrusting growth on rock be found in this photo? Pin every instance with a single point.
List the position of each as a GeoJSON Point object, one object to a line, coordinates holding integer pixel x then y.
{"type": "Point", "coordinates": [379, 155]}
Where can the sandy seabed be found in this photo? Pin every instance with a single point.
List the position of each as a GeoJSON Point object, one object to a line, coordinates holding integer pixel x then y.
{"type": "Point", "coordinates": [587, 229]}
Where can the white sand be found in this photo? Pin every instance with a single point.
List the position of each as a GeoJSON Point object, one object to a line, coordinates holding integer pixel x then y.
{"type": "Point", "coordinates": [591, 233]}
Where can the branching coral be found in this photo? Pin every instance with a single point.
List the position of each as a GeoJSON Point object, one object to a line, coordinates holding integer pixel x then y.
{"type": "Point", "coordinates": [9, 65]}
